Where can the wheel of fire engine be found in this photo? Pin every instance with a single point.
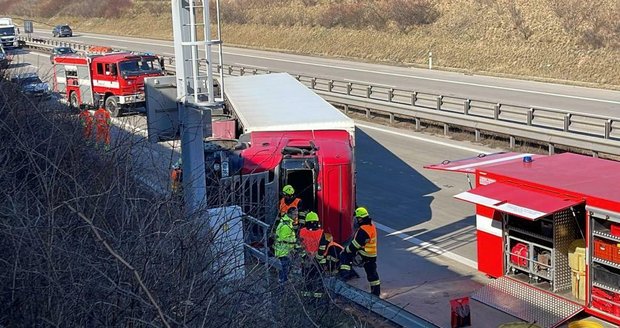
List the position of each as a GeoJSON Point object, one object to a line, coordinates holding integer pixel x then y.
{"type": "Point", "coordinates": [111, 104]}
{"type": "Point", "coordinates": [73, 100]}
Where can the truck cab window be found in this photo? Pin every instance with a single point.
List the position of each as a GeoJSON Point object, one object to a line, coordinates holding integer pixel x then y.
{"type": "Point", "coordinates": [100, 68]}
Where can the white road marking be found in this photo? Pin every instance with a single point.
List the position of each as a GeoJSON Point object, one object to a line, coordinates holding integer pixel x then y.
{"type": "Point", "coordinates": [391, 74]}
{"type": "Point", "coordinates": [38, 54]}
{"type": "Point", "coordinates": [436, 142]}
{"type": "Point", "coordinates": [426, 245]}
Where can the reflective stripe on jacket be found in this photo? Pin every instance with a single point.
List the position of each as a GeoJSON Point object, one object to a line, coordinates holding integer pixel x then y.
{"type": "Point", "coordinates": [285, 237]}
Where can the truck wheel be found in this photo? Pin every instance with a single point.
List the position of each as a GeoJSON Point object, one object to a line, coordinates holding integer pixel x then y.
{"type": "Point", "coordinates": [73, 100]}
{"type": "Point", "coordinates": [111, 104]}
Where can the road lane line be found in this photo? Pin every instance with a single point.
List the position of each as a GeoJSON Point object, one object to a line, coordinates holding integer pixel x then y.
{"type": "Point", "coordinates": [426, 245]}
{"type": "Point", "coordinates": [392, 74]}
{"type": "Point", "coordinates": [436, 142]}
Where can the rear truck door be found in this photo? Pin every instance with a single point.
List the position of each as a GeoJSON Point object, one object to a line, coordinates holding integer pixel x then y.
{"type": "Point", "coordinates": [86, 90]}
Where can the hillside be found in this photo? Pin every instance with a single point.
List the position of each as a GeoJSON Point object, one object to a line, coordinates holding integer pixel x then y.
{"type": "Point", "coordinates": [570, 40]}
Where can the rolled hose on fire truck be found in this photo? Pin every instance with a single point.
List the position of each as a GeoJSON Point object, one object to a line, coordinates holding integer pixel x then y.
{"type": "Point", "coordinates": [519, 255]}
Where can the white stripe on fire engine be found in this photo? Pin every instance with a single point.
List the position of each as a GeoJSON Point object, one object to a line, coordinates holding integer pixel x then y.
{"type": "Point", "coordinates": [491, 161]}
{"type": "Point", "coordinates": [488, 225]}
{"type": "Point", "coordinates": [70, 68]}
{"type": "Point", "coordinates": [84, 81]}
{"type": "Point", "coordinates": [501, 206]}
{"type": "Point", "coordinates": [107, 84]}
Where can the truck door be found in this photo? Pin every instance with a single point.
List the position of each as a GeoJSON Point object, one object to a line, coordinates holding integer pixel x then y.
{"type": "Point", "coordinates": [86, 90]}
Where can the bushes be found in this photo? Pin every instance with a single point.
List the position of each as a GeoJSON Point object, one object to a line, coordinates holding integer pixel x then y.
{"type": "Point", "coordinates": [410, 13]}
{"type": "Point", "coordinates": [594, 22]}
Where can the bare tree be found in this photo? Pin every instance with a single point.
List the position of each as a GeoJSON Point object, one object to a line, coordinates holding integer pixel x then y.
{"type": "Point", "coordinates": [85, 243]}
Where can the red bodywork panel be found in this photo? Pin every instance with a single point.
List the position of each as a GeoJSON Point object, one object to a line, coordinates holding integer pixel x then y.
{"type": "Point", "coordinates": [335, 176]}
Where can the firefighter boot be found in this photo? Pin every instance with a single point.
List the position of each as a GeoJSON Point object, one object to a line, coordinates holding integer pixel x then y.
{"type": "Point", "coordinates": [376, 290]}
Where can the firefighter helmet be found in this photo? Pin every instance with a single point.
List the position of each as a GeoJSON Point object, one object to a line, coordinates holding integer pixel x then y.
{"type": "Point", "coordinates": [312, 217]}
{"type": "Point", "coordinates": [288, 190]}
{"type": "Point", "coordinates": [361, 212]}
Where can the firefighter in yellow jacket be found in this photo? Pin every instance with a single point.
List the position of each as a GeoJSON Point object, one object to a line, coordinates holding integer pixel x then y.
{"type": "Point", "coordinates": [364, 243]}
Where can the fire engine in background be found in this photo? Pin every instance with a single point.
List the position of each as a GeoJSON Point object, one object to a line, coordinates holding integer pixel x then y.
{"type": "Point", "coordinates": [113, 80]}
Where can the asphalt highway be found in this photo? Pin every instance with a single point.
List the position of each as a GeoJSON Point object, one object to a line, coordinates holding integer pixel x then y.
{"type": "Point", "coordinates": [510, 91]}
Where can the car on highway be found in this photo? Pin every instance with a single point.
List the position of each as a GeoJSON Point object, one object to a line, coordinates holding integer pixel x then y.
{"type": "Point", "coordinates": [4, 59]}
{"type": "Point", "coordinates": [62, 30]}
{"type": "Point", "coordinates": [31, 85]}
{"type": "Point", "coordinates": [57, 51]}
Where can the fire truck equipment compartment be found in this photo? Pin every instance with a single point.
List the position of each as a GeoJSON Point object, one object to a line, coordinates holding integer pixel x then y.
{"type": "Point", "coordinates": [516, 200]}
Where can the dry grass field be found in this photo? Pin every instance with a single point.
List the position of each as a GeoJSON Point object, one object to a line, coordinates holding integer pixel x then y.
{"type": "Point", "coordinates": [552, 40]}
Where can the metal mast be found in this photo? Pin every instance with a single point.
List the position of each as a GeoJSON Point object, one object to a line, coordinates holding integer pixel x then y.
{"type": "Point", "coordinates": [195, 89]}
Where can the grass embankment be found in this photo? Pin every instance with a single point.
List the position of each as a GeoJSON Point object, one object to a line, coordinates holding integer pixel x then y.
{"type": "Point", "coordinates": [562, 40]}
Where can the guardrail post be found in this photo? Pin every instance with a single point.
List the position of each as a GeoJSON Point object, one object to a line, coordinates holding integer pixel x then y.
{"type": "Point", "coordinates": [349, 88]}
{"type": "Point", "coordinates": [439, 102]}
{"type": "Point", "coordinates": [313, 83]}
{"type": "Point", "coordinates": [512, 142]}
{"type": "Point", "coordinates": [230, 70]}
{"type": "Point", "coordinates": [330, 85]}
{"type": "Point", "coordinates": [390, 94]}
{"type": "Point", "coordinates": [566, 122]}
{"type": "Point", "coordinates": [346, 109]}
{"type": "Point", "coordinates": [497, 110]}
{"type": "Point", "coordinates": [607, 128]}
{"type": "Point", "coordinates": [530, 116]}
{"type": "Point", "coordinates": [477, 135]}
{"type": "Point", "coordinates": [466, 106]}
{"type": "Point", "coordinates": [414, 98]}
{"type": "Point", "coordinates": [391, 118]}
{"type": "Point", "coordinates": [241, 71]}
{"type": "Point", "coordinates": [446, 129]}
{"type": "Point", "coordinates": [368, 91]}
{"type": "Point", "coordinates": [254, 71]}
{"type": "Point", "coordinates": [367, 113]}
{"type": "Point", "coordinates": [551, 149]}
{"type": "Point", "coordinates": [595, 154]}
{"type": "Point", "coordinates": [417, 124]}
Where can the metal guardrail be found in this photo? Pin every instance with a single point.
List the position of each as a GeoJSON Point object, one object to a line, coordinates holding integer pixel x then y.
{"type": "Point", "coordinates": [554, 127]}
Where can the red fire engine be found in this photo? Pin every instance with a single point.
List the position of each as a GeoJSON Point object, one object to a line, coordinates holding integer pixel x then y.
{"type": "Point", "coordinates": [548, 230]}
{"type": "Point", "coordinates": [114, 80]}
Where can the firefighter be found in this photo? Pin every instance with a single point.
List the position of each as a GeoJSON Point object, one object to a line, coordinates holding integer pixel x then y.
{"type": "Point", "coordinates": [86, 119]}
{"type": "Point", "coordinates": [176, 175]}
{"type": "Point", "coordinates": [103, 122]}
{"type": "Point", "coordinates": [364, 244]}
{"type": "Point", "coordinates": [328, 254]}
{"type": "Point", "coordinates": [310, 236]}
{"type": "Point", "coordinates": [285, 243]}
{"type": "Point", "coordinates": [289, 200]}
